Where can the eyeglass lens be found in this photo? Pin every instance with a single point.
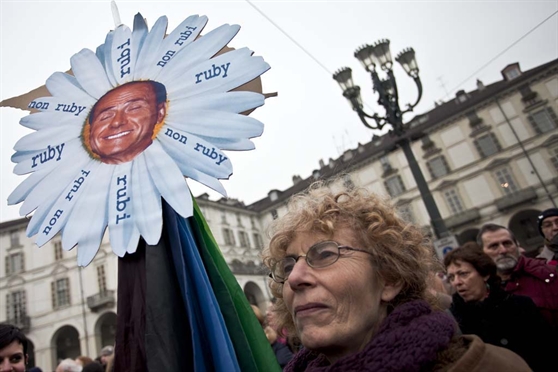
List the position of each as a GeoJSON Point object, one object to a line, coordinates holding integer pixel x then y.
{"type": "Point", "coordinates": [319, 255]}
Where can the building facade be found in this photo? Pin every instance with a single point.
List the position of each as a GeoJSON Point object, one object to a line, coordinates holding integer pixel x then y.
{"type": "Point", "coordinates": [489, 155]}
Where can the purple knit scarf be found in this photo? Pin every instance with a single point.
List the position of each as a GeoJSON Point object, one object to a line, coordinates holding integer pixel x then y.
{"type": "Point", "coordinates": [408, 340]}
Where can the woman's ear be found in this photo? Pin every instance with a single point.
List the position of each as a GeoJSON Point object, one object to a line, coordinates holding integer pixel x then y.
{"type": "Point", "coordinates": [390, 291]}
{"type": "Point", "coordinates": [486, 278]}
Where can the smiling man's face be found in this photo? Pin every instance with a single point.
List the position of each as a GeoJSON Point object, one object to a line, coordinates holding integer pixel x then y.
{"type": "Point", "coordinates": [123, 120]}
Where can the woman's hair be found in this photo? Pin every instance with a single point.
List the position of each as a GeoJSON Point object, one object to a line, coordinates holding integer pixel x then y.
{"type": "Point", "coordinates": [9, 334]}
{"type": "Point", "coordinates": [400, 253]}
{"type": "Point", "coordinates": [480, 261]}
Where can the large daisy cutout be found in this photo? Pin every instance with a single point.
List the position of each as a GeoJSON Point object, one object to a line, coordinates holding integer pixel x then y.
{"type": "Point", "coordinates": [138, 115]}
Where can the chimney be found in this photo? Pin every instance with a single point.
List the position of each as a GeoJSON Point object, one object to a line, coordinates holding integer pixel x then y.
{"type": "Point", "coordinates": [460, 96]}
{"type": "Point", "coordinates": [480, 85]}
{"type": "Point", "coordinates": [322, 163]}
{"type": "Point", "coordinates": [296, 179]}
{"type": "Point", "coordinates": [316, 174]}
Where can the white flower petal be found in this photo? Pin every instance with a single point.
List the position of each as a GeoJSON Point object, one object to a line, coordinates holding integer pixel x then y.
{"type": "Point", "coordinates": [236, 102]}
{"type": "Point", "coordinates": [134, 241]}
{"type": "Point", "coordinates": [214, 123]}
{"type": "Point", "coordinates": [139, 33]}
{"type": "Point", "coordinates": [122, 58]}
{"type": "Point", "coordinates": [88, 219]}
{"type": "Point", "coordinates": [146, 202]}
{"type": "Point", "coordinates": [20, 156]}
{"type": "Point", "coordinates": [122, 228]}
{"type": "Point", "coordinates": [201, 50]}
{"type": "Point", "coordinates": [24, 188]}
{"type": "Point", "coordinates": [103, 54]}
{"type": "Point", "coordinates": [61, 210]}
{"type": "Point", "coordinates": [196, 152]}
{"type": "Point", "coordinates": [39, 216]}
{"type": "Point", "coordinates": [51, 186]}
{"type": "Point", "coordinates": [151, 43]}
{"type": "Point", "coordinates": [203, 178]}
{"type": "Point", "coordinates": [48, 157]}
{"type": "Point", "coordinates": [169, 180]}
{"type": "Point", "coordinates": [64, 85]}
{"type": "Point", "coordinates": [175, 42]}
{"type": "Point", "coordinates": [235, 144]}
{"type": "Point", "coordinates": [65, 105]}
{"type": "Point", "coordinates": [42, 120]}
{"type": "Point", "coordinates": [90, 73]}
{"type": "Point", "coordinates": [48, 137]}
{"type": "Point", "coordinates": [219, 74]}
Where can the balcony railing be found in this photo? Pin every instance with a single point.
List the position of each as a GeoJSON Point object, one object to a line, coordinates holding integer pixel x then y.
{"type": "Point", "coordinates": [470, 215]}
{"type": "Point", "coordinates": [101, 300]}
{"type": "Point", "coordinates": [22, 322]}
{"type": "Point", "coordinates": [517, 198]}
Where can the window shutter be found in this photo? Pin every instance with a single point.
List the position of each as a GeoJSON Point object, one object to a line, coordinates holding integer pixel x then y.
{"type": "Point", "coordinates": [22, 261]}
{"type": "Point", "coordinates": [68, 291]}
{"type": "Point", "coordinates": [53, 293]}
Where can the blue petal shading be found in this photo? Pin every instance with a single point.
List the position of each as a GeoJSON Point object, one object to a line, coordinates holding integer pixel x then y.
{"type": "Point", "coordinates": [236, 102]}
{"type": "Point", "coordinates": [90, 73]}
{"type": "Point", "coordinates": [88, 220]}
{"type": "Point", "coordinates": [183, 35]}
{"type": "Point", "coordinates": [44, 160]}
{"type": "Point", "coordinates": [65, 85]}
{"type": "Point", "coordinates": [168, 179]}
{"type": "Point", "coordinates": [24, 188]}
{"type": "Point", "coordinates": [43, 120]}
{"type": "Point", "coordinates": [146, 202]}
{"type": "Point", "coordinates": [51, 186]}
{"type": "Point", "coordinates": [49, 136]}
{"type": "Point", "coordinates": [151, 43]}
{"type": "Point", "coordinates": [214, 123]}
{"type": "Point", "coordinates": [61, 210]}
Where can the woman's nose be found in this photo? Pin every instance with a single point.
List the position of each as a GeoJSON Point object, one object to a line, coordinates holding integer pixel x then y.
{"type": "Point", "coordinates": [300, 274]}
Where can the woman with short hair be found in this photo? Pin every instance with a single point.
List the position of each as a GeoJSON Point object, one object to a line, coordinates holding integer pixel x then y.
{"type": "Point", "coordinates": [350, 278]}
{"type": "Point", "coordinates": [499, 318]}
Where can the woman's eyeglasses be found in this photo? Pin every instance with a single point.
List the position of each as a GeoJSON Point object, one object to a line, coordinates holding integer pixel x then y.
{"type": "Point", "coordinates": [319, 255]}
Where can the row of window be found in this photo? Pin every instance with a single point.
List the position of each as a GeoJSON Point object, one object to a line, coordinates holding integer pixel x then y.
{"type": "Point", "coordinates": [15, 262]}
{"type": "Point", "coordinates": [16, 303]}
{"type": "Point", "coordinates": [243, 239]}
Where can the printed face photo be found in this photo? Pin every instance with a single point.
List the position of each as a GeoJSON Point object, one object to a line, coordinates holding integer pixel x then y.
{"type": "Point", "coordinates": [123, 120]}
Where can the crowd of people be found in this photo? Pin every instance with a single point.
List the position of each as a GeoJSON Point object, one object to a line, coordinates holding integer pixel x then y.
{"type": "Point", "coordinates": [356, 288]}
{"type": "Point", "coordinates": [362, 291]}
{"type": "Point", "coordinates": [14, 356]}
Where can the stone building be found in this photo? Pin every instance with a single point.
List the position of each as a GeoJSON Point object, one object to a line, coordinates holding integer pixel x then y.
{"type": "Point", "coordinates": [489, 155]}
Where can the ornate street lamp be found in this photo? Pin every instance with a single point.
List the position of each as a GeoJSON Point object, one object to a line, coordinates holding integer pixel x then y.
{"type": "Point", "coordinates": [379, 55]}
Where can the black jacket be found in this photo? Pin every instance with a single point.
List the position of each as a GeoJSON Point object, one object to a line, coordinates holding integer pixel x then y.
{"type": "Point", "coordinates": [508, 321]}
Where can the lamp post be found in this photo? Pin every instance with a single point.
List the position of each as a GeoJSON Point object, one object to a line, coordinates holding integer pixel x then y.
{"type": "Point", "coordinates": [379, 55]}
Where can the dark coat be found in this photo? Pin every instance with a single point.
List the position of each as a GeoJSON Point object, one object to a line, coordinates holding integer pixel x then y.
{"type": "Point", "coordinates": [508, 321]}
{"type": "Point", "coordinates": [533, 278]}
{"type": "Point", "coordinates": [282, 353]}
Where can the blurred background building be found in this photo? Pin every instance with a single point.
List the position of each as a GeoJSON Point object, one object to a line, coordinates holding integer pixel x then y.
{"type": "Point", "coordinates": [489, 155]}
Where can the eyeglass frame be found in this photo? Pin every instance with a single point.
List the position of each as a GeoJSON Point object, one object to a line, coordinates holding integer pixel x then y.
{"type": "Point", "coordinates": [339, 247]}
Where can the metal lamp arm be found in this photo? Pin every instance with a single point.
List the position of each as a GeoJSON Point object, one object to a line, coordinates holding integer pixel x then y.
{"type": "Point", "coordinates": [380, 122]}
{"type": "Point", "coordinates": [419, 87]}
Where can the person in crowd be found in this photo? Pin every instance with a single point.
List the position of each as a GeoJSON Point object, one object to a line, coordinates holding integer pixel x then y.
{"type": "Point", "coordinates": [282, 352]}
{"type": "Point", "coordinates": [13, 349]}
{"type": "Point", "coordinates": [34, 369]}
{"type": "Point", "coordinates": [350, 278]}
{"type": "Point", "coordinates": [521, 275]}
{"type": "Point", "coordinates": [83, 360]}
{"type": "Point", "coordinates": [282, 336]}
{"type": "Point", "coordinates": [106, 353]}
{"type": "Point", "coordinates": [548, 227]}
{"type": "Point", "coordinates": [93, 367]}
{"type": "Point", "coordinates": [68, 365]}
{"type": "Point", "coordinates": [438, 287]}
{"type": "Point", "coordinates": [499, 318]}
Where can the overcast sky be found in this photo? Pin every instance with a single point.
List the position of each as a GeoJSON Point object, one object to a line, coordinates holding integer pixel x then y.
{"type": "Point", "coordinates": [309, 120]}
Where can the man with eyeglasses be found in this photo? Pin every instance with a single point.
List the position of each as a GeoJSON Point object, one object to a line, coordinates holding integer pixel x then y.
{"type": "Point", "coordinates": [521, 275]}
{"type": "Point", "coordinates": [548, 227]}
